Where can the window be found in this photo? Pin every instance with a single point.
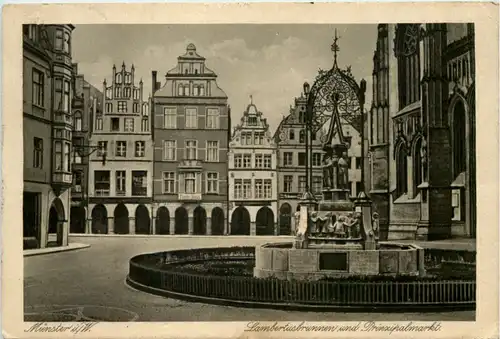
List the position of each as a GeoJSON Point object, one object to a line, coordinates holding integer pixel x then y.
{"type": "Point", "coordinates": [115, 124]}
{"type": "Point", "coordinates": [212, 118]}
{"type": "Point", "coordinates": [259, 188]}
{"type": "Point", "coordinates": [118, 92]}
{"type": "Point", "coordinates": [139, 183]}
{"type": "Point", "coordinates": [291, 134]}
{"type": "Point", "coordinates": [259, 161]}
{"type": "Point", "coordinates": [109, 107]}
{"type": "Point", "coordinates": [38, 88]}
{"type": "Point", "coordinates": [118, 78]}
{"type": "Point", "coordinates": [302, 159]}
{"type": "Point", "coordinates": [140, 149]}
{"type": "Point", "coordinates": [267, 161]}
{"type": "Point", "coordinates": [58, 158]}
{"type": "Point", "coordinates": [77, 121]}
{"type": "Point", "coordinates": [408, 54]}
{"type": "Point", "coordinates": [127, 92]}
{"type": "Point", "coordinates": [145, 125]}
{"type": "Point", "coordinates": [59, 40]}
{"type": "Point", "coordinates": [358, 162]}
{"type": "Point", "coordinates": [169, 182]}
{"type": "Point", "coordinates": [191, 149]}
{"type": "Point", "coordinates": [121, 149]}
{"type": "Point", "coordinates": [302, 136]}
{"type": "Point", "coordinates": [77, 143]}
{"type": "Point", "coordinates": [170, 117]}
{"type": "Point", "coordinates": [316, 159]}
{"type": "Point", "coordinates": [248, 138]}
{"type": "Point", "coordinates": [169, 150]}
{"type": "Point", "coordinates": [238, 189]}
{"type": "Point", "coordinates": [287, 159]}
{"type": "Point", "coordinates": [31, 31]}
{"type": "Point", "coordinates": [247, 160]}
{"type": "Point", "coordinates": [122, 107]}
{"type": "Point", "coordinates": [258, 138]}
{"type": "Point", "coordinates": [145, 109]}
{"type": "Point", "coordinates": [252, 121]}
{"type": "Point", "coordinates": [190, 183]}
{"type": "Point", "coordinates": [401, 171]}
{"type": "Point", "coordinates": [302, 183]}
{"type": "Point", "coordinates": [212, 182]}
{"type": "Point", "coordinates": [136, 94]}
{"type": "Point", "coordinates": [191, 118]}
{"type": "Point", "coordinates": [66, 101]}
{"type": "Point", "coordinates": [247, 188]}
{"type": "Point", "coordinates": [77, 181]}
{"type": "Point", "coordinates": [287, 183]}
{"type": "Point", "coordinates": [98, 124]}
{"type": "Point", "coordinates": [267, 189]}
{"type": "Point", "coordinates": [67, 157]}
{"type": "Point", "coordinates": [102, 148]}
{"type": "Point", "coordinates": [120, 183]}
{"type": "Point", "coordinates": [238, 160]}
{"type": "Point", "coordinates": [67, 43]}
{"type": "Point", "coordinates": [129, 124]}
{"type": "Point", "coordinates": [317, 184]}
{"type": "Point", "coordinates": [128, 79]}
{"type": "Point", "coordinates": [358, 187]}
{"type": "Point", "coordinates": [135, 107]}
{"type": "Point", "coordinates": [101, 183]}
{"type": "Point", "coordinates": [38, 153]}
{"type": "Point", "coordinates": [212, 151]}
{"type": "Point", "coordinates": [302, 115]}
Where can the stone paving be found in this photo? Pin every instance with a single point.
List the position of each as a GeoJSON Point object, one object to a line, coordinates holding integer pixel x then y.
{"type": "Point", "coordinates": [89, 284]}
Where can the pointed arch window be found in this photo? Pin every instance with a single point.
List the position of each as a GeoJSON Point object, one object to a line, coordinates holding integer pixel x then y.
{"type": "Point", "coordinates": [118, 78]}
{"type": "Point", "coordinates": [459, 138]}
{"type": "Point", "coordinates": [408, 64]}
{"type": "Point", "coordinates": [401, 170]}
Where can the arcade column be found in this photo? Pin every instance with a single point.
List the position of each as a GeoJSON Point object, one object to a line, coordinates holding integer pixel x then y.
{"type": "Point", "coordinates": [209, 226]}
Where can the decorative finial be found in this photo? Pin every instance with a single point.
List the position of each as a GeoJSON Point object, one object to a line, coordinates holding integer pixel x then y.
{"type": "Point", "coordinates": [335, 47]}
{"type": "Point", "coordinates": [251, 99]}
{"type": "Point", "coordinates": [123, 64]}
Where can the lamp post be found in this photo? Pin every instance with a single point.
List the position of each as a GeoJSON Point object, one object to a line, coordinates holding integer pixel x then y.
{"type": "Point", "coordinates": [308, 125]}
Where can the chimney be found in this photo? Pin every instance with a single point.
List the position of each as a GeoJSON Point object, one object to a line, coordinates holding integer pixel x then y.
{"type": "Point", "coordinates": [154, 82]}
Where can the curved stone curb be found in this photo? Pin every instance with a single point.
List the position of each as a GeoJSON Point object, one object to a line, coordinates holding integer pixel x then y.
{"type": "Point", "coordinates": [396, 308]}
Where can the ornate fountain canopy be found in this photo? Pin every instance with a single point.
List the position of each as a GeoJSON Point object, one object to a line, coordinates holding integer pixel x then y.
{"type": "Point", "coordinates": [335, 96]}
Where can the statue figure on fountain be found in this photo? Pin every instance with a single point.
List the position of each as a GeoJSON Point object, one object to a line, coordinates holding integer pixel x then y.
{"type": "Point", "coordinates": [343, 167]}
{"type": "Point", "coordinates": [327, 171]}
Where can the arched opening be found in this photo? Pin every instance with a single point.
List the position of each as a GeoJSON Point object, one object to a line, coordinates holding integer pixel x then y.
{"type": "Point", "coordinates": [264, 221]}
{"type": "Point", "coordinates": [181, 221]}
{"type": "Point", "coordinates": [162, 221]}
{"type": "Point", "coordinates": [142, 220]}
{"type": "Point", "coordinates": [121, 219]}
{"type": "Point", "coordinates": [459, 139]}
{"type": "Point", "coordinates": [200, 221]}
{"type": "Point", "coordinates": [417, 166]}
{"type": "Point", "coordinates": [56, 224]}
{"type": "Point", "coordinates": [285, 219]}
{"type": "Point", "coordinates": [78, 219]}
{"type": "Point", "coordinates": [401, 171]}
{"type": "Point", "coordinates": [240, 221]}
{"type": "Point", "coordinates": [99, 220]}
{"type": "Point", "coordinates": [217, 221]}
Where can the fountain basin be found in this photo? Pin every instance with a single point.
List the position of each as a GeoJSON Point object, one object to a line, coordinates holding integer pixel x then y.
{"type": "Point", "coordinates": [282, 261]}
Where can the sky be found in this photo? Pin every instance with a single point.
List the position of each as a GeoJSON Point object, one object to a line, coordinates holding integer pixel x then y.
{"type": "Point", "coordinates": [270, 62]}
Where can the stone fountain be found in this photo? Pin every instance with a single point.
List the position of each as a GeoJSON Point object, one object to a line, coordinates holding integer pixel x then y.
{"type": "Point", "coordinates": [336, 237]}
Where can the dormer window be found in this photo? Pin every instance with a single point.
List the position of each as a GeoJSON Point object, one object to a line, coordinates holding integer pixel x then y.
{"type": "Point", "coordinates": [128, 78]}
{"type": "Point", "coordinates": [252, 121]}
{"type": "Point", "coordinates": [118, 78]}
{"type": "Point", "coordinates": [291, 134]}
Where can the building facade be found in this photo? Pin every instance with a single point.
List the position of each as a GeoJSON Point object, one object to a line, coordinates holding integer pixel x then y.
{"type": "Point", "coordinates": [422, 132]}
{"type": "Point", "coordinates": [253, 185]}
{"type": "Point", "coordinates": [290, 140]}
{"type": "Point", "coordinates": [47, 127]}
{"type": "Point", "coordinates": [191, 137]}
{"type": "Point", "coordinates": [87, 103]}
{"type": "Point", "coordinates": [120, 171]}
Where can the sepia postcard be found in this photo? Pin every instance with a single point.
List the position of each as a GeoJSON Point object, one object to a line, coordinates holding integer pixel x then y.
{"type": "Point", "coordinates": [279, 170]}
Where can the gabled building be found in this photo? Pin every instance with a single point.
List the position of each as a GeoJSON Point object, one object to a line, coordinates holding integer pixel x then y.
{"type": "Point", "coordinates": [422, 132]}
{"type": "Point", "coordinates": [290, 140]}
{"type": "Point", "coordinates": [191, 136]}
{"type": "Point", "coordinates": [253, 181]}
{"type": "Point", "coordinates": [120, 171]}
{"type": "Point", "coordinates": [47, 129]}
